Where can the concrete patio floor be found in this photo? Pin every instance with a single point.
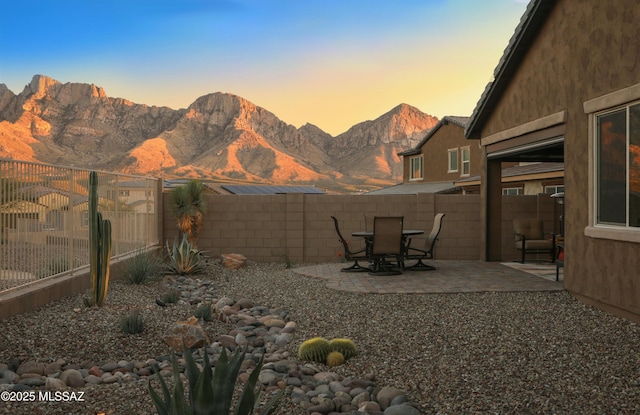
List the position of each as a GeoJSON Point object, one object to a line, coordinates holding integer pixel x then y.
{"type": "Point", "coordinates": [449, 277]}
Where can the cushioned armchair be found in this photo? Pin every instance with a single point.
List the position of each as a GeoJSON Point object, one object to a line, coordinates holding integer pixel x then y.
{"type": "Point", "coordinates": [530, 238]}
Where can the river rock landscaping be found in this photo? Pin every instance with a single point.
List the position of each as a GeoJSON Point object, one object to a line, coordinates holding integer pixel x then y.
{"type": "Point", "coordinates": [417, 354]}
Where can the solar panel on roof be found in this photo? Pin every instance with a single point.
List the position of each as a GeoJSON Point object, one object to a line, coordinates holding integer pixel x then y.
{"type": "Point", "coordinates": [269, 190]}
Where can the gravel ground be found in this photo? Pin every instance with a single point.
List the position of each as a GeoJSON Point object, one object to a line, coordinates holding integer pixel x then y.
{"type": "Point", "coordinates": [494, 353]}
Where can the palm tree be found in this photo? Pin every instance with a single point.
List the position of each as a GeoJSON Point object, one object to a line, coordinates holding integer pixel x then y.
{"type": "Point", "coordinates": [189, 208]}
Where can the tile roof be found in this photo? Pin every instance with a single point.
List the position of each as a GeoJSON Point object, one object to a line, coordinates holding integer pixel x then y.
{"type": "Point", "coordinates": [459, 121]}
{"type": "Point", "coordinates": [414, 188]}
{"type": "Point", "coordinates": [523, 37]}
{"type": "Point", "coordinates": [270, 190]}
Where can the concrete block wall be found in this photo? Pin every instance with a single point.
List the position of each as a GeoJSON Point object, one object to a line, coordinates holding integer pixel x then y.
{"type": "Point", "coordinates": [271, 228]}
{"type": "Point", "coordinates": [298, 227]}
{"type": "Point", "coordinates": [460, 235]}
{"type": "Point", "coordinates": [261, 227]}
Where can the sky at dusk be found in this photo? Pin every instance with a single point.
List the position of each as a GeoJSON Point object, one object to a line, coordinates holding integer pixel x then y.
{"type": "Point", "coordinates": [330, 63]}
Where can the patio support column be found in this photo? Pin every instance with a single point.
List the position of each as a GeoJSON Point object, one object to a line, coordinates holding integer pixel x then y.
{"type": "Point", "coordinates": [491, 195]}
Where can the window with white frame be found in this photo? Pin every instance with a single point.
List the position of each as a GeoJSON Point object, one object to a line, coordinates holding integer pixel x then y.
{"type": "Point", "coordinates": [453, 160]}
{"type": "Point", "coordinates": [554, 189]}
{"type": "Point", "coordinates": [617, 167]}
{"type": "Point", "coordinates": [465, 153]}
{"type": "Point", "coordinates": [415, 168]}
{"type": "Point", "coordinates": [512, 191]}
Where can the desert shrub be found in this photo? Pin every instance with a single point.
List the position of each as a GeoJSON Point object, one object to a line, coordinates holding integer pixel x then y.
{"type": "Point", "coordinates": [171, 297]}
{"type": "Point", "coordinates": [142, 267]}
{"type": "Point", "coordinates": [132, 323]}
{"type": "Point", "coordinates": [204, 311]}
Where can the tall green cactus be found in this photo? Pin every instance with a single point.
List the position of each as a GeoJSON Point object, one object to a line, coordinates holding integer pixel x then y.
{"type": "Point", "coordinates": [99, 247]}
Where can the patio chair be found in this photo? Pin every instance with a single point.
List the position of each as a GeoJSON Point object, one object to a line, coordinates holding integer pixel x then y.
{"type": "Point", "coordinates": [530, 238]}
{"type": "Point", "coordinates": [387, 243]}
{"type": "Point", "coordinates": [413, 253]}
{"type": "Point", "coordinates": [357, 255]}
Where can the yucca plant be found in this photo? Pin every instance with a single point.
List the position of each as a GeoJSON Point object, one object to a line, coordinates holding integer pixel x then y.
{"type": "Point", "coordinates": [99, 247]}
{"type": "Point", "coordinates": [189, 208]}
{"type": "Point", "coordinates": [209, 393]}
{"type": "Point", "coordinates": [140, 268]}
{"type": "Point", "coordinates": [184, 258]}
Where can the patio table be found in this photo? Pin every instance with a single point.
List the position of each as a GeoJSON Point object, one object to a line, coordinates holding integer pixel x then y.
{"type": "Point", "coordinates": [405, 233]}
{"type": "Point", "coordinates": [368, 236]}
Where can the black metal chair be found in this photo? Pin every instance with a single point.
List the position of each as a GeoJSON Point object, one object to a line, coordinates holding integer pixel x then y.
{"type": "Point", "coordinates": [387, 243]}
{"type": "Point", "coordinates": [357, 255]}
{"type": "Point", "coordinates": [412, 253]}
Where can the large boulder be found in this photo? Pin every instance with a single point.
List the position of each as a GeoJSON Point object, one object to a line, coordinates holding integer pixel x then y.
{"type": "Point", "coordinates": [188, 332]}
{"type": "Point", "coordinates": [233, 261]}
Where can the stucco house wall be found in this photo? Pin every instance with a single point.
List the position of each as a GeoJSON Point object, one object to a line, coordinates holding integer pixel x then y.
{"type": "Point", "coordinates": [583, 50]}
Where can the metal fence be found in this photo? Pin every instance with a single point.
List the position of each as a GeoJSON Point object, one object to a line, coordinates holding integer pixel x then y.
{"type": "Point", "coordinates": [44, 218]}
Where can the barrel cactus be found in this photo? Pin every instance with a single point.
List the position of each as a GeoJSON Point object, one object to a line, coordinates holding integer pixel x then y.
{"type": "Point", "coordinates": [315, 350]}
{"type": "Point", "coordinates": [335, 359]}
{"type": "Point", "coordinates": [345, 346]}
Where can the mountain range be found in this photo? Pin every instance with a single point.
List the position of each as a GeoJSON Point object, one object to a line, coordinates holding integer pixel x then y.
{"type": "Point", "coordinates": [220, 137]}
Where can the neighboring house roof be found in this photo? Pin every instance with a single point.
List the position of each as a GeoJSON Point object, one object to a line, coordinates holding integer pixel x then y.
{"type": "Point", "coordinates": [521, 170]}
{"type": "Point", "coordinates": [270, 190]}
{"type": "Point", "coordinates": [414, 188]}
{"type": "Point", "coordinates": [171, 183]}
{"type": "Point", "coordinates": [524, 36]}
{"type": "Point", "coordinates": [140, 184]}
{"type": "Point", "coordinates": [449, 119]}
{"type": "Point", "coordinates": [39, 191]}
{"type": "Point", "coordinates": [21, 206]}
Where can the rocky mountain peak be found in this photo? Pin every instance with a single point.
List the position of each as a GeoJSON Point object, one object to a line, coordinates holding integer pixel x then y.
{"type": "Point", "coordinates": [219, 136]}
{"type": "Point", "coordinates": [403, 126]}
{"type": "Point", "coordinates": [43, 86]}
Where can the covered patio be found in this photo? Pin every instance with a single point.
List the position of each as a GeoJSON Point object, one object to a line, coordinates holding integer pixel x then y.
{"type": "Point", "coordinates": [450, 276]}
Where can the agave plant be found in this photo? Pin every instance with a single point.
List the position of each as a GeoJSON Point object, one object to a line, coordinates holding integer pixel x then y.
{"type": "Point", "coordinates": [184, 258]}
{"type": "Point", "coordinates": [209, 393]}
